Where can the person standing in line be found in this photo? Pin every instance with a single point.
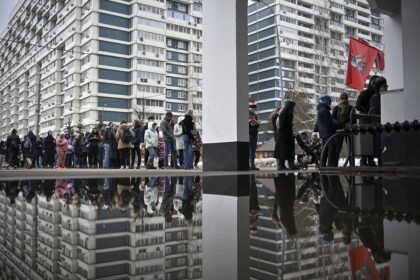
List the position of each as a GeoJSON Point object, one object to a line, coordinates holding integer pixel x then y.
{"type": "Point", "coordinates": [363, 106]}
{"type": "Point", "coordinates": [341, 117]}
{"type": "Point", "coordinates": [380, 85]}
{"type": "Point", "coordinates": [107, 140]}
{"type": "Point", "coordinates": [49, 150]}
{"type": "Point", "coordinates": [85, 150]}
{"type": "Point", "coordinates": [138, 139]}
{"type": "Point", "coordinates": [326, 127]}
{"type": "Point", "coordinates": [13, 144]}
{"type": "Point", "coordinates": [62, 146]}
{"type": "Point", "coordinates": [78, 149]}
{"type": "Point", "coordinates": [284, 149]}
{"type": "Point", "coordinates": [124, 137]}
{"type": "Point", "coordinates": [101, 149]}
{"type": "Point", "coordinates": [187, 126]}
{"type": "Point", "coordinates": [254, 124]}
{"type": "Point", "coordinates": [69, 155]}
{"type": "Point", "coordinates": [160, 149]}
{"type": "Point", "coordinates": [167, 129]}
{"type": "Point", "coordinates": [27, 148]}
{"type": "Point", "coordinates": [39, 159]}
{"type": "Point", "coordinates": [94, 139]}
{"type": "Point", "coordinates": [151, 141]}
{"type": "Point", "coordinates": [114, 159]}
{"type": "Point", "coordinates": [150, 119]}
{"type": "Point", "coordinates": [273, 118]}
{"type": "Point", "coordinates": [2, 153]}
{"type": "Point", "coordinates": [196, 146]}
{"type": "Point", "coordinates": [179, 141]}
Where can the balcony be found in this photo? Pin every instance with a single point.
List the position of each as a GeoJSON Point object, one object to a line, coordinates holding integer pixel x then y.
{"type": "Point", "coordinates": [350, 18]}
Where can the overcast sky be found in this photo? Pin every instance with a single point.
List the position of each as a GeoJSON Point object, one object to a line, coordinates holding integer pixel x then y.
{"type": "Point", "coordinates": [6, 7]}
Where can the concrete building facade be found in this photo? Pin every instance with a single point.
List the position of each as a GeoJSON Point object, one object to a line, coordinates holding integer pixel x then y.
{"type": "Point", "coordinates": [86, 61]}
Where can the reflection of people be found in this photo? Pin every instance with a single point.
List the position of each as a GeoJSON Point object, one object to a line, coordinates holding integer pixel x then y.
{"type": "Point", "coordinates": [190, 197]}
{"type": "Point", "coordinates": [167, 206]}
{"type": "Point", "coordinates": [333, 192]}
{"type": "Point", "coordinates": [283, 213]}
{"type": "Point", "coordinates": [254, 205]}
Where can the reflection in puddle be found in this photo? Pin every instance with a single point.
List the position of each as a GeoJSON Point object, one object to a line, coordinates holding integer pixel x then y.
{"type": "Point", "coordinates": [302, 226]}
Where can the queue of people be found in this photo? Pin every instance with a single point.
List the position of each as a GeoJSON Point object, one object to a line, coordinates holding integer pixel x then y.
{"type": "Point", "coordinates": [113, 146]}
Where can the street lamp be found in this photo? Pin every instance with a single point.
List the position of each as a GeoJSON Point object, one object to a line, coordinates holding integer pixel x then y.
{"type": "Point", "coordinates": [277, 23]}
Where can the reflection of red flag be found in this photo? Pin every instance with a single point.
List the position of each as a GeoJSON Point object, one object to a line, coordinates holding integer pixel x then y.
{"type": "Point", "coordinates": [360, 62]}
{"type": "Point", "coordinates": [362, 265]}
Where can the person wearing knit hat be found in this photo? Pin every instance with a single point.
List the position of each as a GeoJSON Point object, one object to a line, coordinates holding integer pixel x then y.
{"type": "Point", "coordinates": [254, 124]}
{"type": "Point", "coordinates": [326, 127]}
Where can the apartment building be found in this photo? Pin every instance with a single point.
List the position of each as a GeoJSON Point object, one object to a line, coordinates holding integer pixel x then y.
{"type": "Point", "coordinates": [91, 61]}
{"type": "Point", "coordinates": [313, 39]}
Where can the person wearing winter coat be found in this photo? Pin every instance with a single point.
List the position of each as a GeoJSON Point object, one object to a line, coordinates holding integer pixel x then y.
{"type": "Point", "coordinates": [179, 141]}
{"type": "Point", "coordinates": [107, 139]}
{"type": "Point", "coordinates": [124, 148]}
{"type": "Point", "coordinates": [69, 162]}
{"type": "Point", "coordinates": [326, 127]}
{"type": "Point", "coordinates": [85, 150]}
{"type": "Point", "coordinates": [78, 150]}
{"type": "Point", "coordinates": [363, 106]}
{"type": "Point", "coordinates": [146, 127]}
{"type": "Point", "coordinates": [12, 144]}
{"type": "Point", "coordinates": [167, 129]}
{"type": "Point", "coordinates": [138, 138]}
{"type": "Point", "coordinates": [254, 125]}
{"type": "Point", "coordinates": [160, 149]}
{"type": "Point", "coordinates": [39, 159]}
{"type": "Point", "coordinates": [285, 144]}
{"type": "Point", "coordinates": [380, 85]}
{"type": "Point", "coordinates": [273, 118]}
{"type": "Point", "coordinates": [187, 126]}
{"type": "Point", "coordinates": [341, 117]}
{"type": "Point", "coordinates": [94, 139]}
{"type": "Point", "coordinates": [61, 149]}
{"type": "Point", "coordinates": [2, 153]}
{"type": "Point", "coordinates": [151, 140]}
{"type": "Point", "coordinates": [196, 146]}
{"type": "Point", "coordinates": [114, 157]}
{"type": "Point", "coordinates": [28, 148]}
{"type": "Point", "coordinates": [49, 150]}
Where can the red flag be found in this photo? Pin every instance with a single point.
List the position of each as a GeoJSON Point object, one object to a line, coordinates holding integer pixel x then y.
{"type": "Point", "coordinates": [363, 267]}
{"type": "Point", "coordinates": [360, 62]}
{"type": "Point", "coordinates": [380, 60]}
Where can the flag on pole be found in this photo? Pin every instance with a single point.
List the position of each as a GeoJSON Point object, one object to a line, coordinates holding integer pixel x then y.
{"type": "Point", "coordinates": [360, 62]}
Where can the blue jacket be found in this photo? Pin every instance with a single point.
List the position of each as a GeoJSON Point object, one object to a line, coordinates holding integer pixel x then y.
{"type": "Point", "coordinates": [324, 123]}
{"type": "Point", "coordinates": [138, 136]}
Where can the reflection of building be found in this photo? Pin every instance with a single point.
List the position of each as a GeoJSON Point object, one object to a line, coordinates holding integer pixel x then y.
{"type": "Point", "coordinates": [51, 240]}
{"type": "Point", "coordinates": [272, 253]}
{"type": "Point", "coordinates": [71, 61]}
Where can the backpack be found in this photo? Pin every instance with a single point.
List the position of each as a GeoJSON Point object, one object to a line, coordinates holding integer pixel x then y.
{"type": "Point", "coordinates": [126, 137]}
{"type": "Point", "coordinates": [14, 143]}
{"type": "Point", "coordinates": [28, 143]}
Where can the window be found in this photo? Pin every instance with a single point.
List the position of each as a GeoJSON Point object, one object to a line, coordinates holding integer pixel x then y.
{"type": "Point", "coordinates": [114, 75]}
{"type": "Point", "coordinates": [114, 34]}
{"type": "Point", "coordinates": [151, 23]}
{"type": "Point", "coordinates": [114, 48]}
{"type": "Point", "coordinates": [110, 102]}
{"type": "Point", "coordinates": [114, 20]}
{"type": "Point", "coordinates": [182, 82]}
{"type": "Point", "coordinates": [182, 107]}
{"type": "Point", "coordinates": [114, 7]}
{"type": "Point", "coordinates": [114, 61]}
{"type": "Point", "coordinates": [114, 116]}
{"type": "Point", "coordinates": [168, 108]}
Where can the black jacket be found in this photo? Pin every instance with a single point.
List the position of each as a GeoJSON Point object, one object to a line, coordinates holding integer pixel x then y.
{"type": "Point", "coordinates": [49, 144]}
{"type": "Point", "coordinates": [107, 138]}
{"type": "Point", "coordinates": [187, 125]}
{"type": "Point", "coordinates": [363, 100]}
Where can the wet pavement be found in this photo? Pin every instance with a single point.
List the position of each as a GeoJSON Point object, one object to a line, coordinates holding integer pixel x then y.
{"type": "Point", "coordinates": [257, 225]}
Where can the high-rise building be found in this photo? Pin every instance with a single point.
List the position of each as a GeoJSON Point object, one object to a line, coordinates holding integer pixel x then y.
{"type": "Point", "coordinates": [313, 37]}
{"type": "Point", "coordinates": [83, 62]}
